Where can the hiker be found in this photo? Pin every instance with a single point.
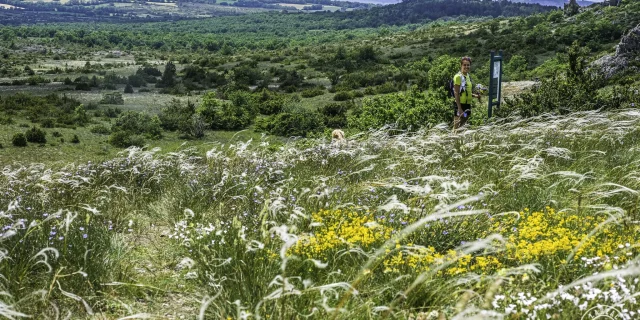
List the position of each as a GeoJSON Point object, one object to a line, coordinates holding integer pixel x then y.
{"type": "Point", "coordinates": [463, 93]}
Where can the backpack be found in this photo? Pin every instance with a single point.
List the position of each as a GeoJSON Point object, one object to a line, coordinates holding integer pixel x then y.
{"type": "Point", "coordinates": [448, 86]}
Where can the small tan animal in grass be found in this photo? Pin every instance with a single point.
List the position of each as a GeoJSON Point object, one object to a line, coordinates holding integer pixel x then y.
{"type": "Point", "coordinates": [337, 135]}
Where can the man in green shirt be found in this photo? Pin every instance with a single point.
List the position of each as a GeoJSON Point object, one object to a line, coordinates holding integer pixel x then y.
{"type": "Point", "coordinates": [463, 93]}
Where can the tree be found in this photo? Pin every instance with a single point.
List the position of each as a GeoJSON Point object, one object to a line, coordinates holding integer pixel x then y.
{"type": "Point", "coordinates": [128, 88]}
{"type": "Point", "coordinates": [577, 60]}
{"type": "Point", "coordinates": [36, 135]}
{"type": "Point", "coordinates": [223, 115]}
{"type": "Point", "coordinates": [442, 70]}
{"type": "Point", "coordinates": [572, 8]}
{"type": "Point", "coordinates": [19, 140]}
{"type": "Point", "coordinates": [517, 66]}
{"type": "Point", "coordinates": [168, 76]}
{"type": "Point", "coordinates": [494, 26]}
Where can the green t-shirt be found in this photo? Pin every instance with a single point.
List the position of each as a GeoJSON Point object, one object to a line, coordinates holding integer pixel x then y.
{"type": "Point", "coordinates": [466, 93]}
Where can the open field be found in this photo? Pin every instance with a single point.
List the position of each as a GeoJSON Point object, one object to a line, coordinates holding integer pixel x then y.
{"type": "Point", "coordinates": [519, 214]}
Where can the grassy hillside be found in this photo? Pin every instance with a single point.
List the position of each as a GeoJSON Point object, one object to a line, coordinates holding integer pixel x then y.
{"type": "Point", "coordinates": [528, 219]}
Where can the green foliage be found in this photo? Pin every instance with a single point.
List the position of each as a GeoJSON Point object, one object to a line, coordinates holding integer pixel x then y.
{"type": "Point", "coordinates": [112, 98]}
{"type": "Point", "coordinates": [409, 110]}
{"type": "Point", "coordinates": [557, 95]}
{"type": "Point", "coordinates": [442, 70]}
{"type": "Point", "coordinates": [75, 139]}
{"type": "Point", "coordinates": [40, 108]}
{"type": "Point", "coordinates": [100, 129]}
{"type": "Point", "coordinates": [83, 86]}
{"type": "Point", "coordinates": [223, 115]}
{"type": "Point", "coordinates": [310, 93]}
{"type": "Point", "coordinates": [124, 139]}
{"type": "Point", "coordinates": [335, 114]}
{"type": "Point", "coordinates": [342, 96]}
{"type": "Point", "coordinates": [19, 140]}
{"type": "Point", "coordinates": [36, 135]}
{"type": "Point", "coordinates": [179, 116]}
{"type": "Point", "coordinates": [295, 122]}
{"type": "Point", "coordinates": [168, 76]}
{"type": "Point", "coordinates": [128, 88]}
{"type": "Point", "coordinates": [6, 120]}
{"type": "Point", "coordinates": [131, 126]}
{"type": "Point", "coordinates": [516, 67]}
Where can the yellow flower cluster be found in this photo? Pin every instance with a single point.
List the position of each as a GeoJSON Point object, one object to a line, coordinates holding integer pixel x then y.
{"type": "Point", "coordinates": [421, 259]}
{"type": "Point", "coordinates": [530, 237]}
{"type": "Point", "coordinates": [341, 229]}
{"type": "Point", "coordinates": [552, 234]}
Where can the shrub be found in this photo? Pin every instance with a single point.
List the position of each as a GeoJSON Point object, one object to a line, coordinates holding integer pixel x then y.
{"type": "Point", "coordinates": [137, 123]}
{"type": "Point", "coordinates": [6, 120]}
{"type": "Point", "coordinates": [295, 122]}
{"type": "Point", "coordinates": [310, 93]}
{"type": "Point", "coordinates": [83, 86]}
{"type": "Point", "coordinates": [342, 96]}
{"type": "Point", "coordinates": [128, 88]}
{"type": "Point", "coordinates": [335, 115]}
{"type": "Point", "coordinates": [223, 115]}
{"type": "Point", "coordinates": [100, 129]}
{"type": "Point", "coordinates": [56, 134]}
{"type": "Point", "coordinates": [442, 70]}
{"type": "Point", "coordinates": [47, 123]}
{"type": "Point", "coordinates": [177, 116]}
{"type": "Point", "coordinates": [36, 135]}
{"type": "Point", "coordinates": [409, 110]}
{"type": "Point", "coordinates": [123, 139]}
{"type": "Point", "coordinates": [75, 139]}
{"type": "Point", "coordinates": [112, 98]}
{"type": "Point", "coordinates": [385, 88]}
{"type": "Point", "coordinates": [19, 140]}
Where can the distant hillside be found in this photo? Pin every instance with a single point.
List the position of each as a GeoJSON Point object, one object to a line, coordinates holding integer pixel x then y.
{"type": "Point", "coordinates": [419, 11]}
{"type": "Point", "coordinates": [552, 3]}
{"type": "Point", "coordinates": [558, 3]}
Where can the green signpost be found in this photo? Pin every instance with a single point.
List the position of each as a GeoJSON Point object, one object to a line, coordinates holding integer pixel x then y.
{"type": "Point", "coordinates": [495, 81]}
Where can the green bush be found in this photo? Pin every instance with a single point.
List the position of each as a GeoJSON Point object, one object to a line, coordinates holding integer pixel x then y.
{"type": "Point", "coordinates": [131, 126]}
{"type": "Point", "coordinates": [100, 129]}
{"type": "Point", "coordinates": [112, 98]}
{"type": "Point", "coordinates": [139, 123]}
{"type": "Point", "coordinates": [83, 86]}
{"type": "Point", "coordinates": [442, 70]}
{"type": "Point", "coordinates": [561, 95]}
{"type": "Point", "coordinates": [128, 88]}
{"type": "Point", "coordinates": [36, 135]}
{"type": "Point", "coordinates": [335, 115]}
{"type": "Point", "coordinates": [123, 139]}
{"type": "Point", "coordinates": [19, 140]}
{"type": "Point", "coordinates": [47, 123]}
{"type": "Point", "coordinates": [222, 115]}
{"type": "Point", "coordinates": [295, 122]}
{"type": "Point", "coordinates": [310, 93]}
{"type": "Point", "coordinates": [342, 96]}
{"type": "Point", "coordinates": [176, 115]}
{"type": "Point", "coordinates": [385, 88]}
{"type": "Point", "coordinates": [406, 110]}
{"type": "Point", "coordinates": [75, 139]}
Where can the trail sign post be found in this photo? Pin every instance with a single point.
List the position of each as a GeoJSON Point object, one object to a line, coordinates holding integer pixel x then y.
{"type": "Point", "coordinates": [495, 81]}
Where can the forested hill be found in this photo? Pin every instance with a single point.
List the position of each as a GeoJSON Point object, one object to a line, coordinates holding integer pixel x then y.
{"type": "Point", "coordinates": [417, 11]}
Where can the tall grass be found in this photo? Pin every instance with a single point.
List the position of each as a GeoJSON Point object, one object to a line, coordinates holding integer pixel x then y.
{"type": "Point", "coordinates": [522, 218]}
